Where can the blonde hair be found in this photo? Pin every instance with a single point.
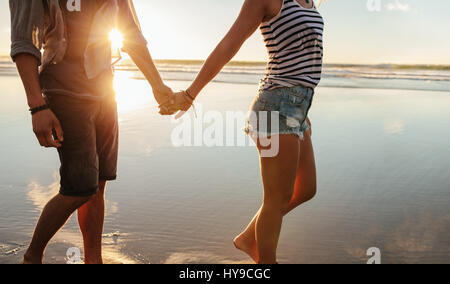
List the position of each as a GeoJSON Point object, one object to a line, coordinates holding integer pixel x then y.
{"type": "Point", "coordinates": [319, 2]}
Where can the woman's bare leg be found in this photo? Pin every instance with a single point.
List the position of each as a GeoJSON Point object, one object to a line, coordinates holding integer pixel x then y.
{"type": "Point", "coordinates": [246, 241]}
{"type": "Point", "coordinates": [305, 190]}
{"type": "Point", "coordinates": [278, 176]}
{"type": "Point", "coordinates": [306, 181]}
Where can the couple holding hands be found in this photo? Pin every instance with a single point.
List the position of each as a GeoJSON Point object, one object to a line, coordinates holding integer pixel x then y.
{"type": "Point", "coordinates": [71, 99]}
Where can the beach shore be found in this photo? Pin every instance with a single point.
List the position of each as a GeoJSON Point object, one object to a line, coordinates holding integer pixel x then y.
{"type": "Point", "coordinates": [383, 180]}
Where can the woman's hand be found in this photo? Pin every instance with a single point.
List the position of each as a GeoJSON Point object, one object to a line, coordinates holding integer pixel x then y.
{"type": "Point", "coordinates": [181, 102]}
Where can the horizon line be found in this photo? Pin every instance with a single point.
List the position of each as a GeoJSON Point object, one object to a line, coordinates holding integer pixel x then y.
{"type": "Point", "coordinates": [260, 62]}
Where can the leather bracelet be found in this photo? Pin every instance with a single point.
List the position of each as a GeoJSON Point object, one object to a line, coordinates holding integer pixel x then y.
{"type": "Point", "coordinates": [189, 95]}
{"type": "Point", "coordinates": [186, 94]}
{"type": "Point", "coordinates": [39, 108]}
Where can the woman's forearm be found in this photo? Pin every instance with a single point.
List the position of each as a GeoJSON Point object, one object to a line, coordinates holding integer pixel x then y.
{"type": "Point", "coordinates": [213, 65]}
{"type": "Point", "coordinates": [250, 17]}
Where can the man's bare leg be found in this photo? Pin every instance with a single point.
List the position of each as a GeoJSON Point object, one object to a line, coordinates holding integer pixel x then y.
{"type": "Point", "coordinates": [53, 217]}
{"type": "Point", "coordinates": [91, 218]}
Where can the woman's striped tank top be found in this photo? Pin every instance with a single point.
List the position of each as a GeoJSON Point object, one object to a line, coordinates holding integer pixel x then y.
{"type": "Point", "coordinates": [294, 42]}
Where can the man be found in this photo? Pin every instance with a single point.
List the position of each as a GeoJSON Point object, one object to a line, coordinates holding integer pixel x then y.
{"type": "Point", "coordinates": [72, 103]}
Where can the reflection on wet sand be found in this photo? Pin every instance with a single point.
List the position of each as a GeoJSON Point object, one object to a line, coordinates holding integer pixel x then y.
{"type": "Point", "coordinates": [394, 126]}
{"type": "Point", "coordinates": [128, 94]}
{"type": "Point", "coordinates": [419, 233]}
{"type": "Point", "coordinates": [113, 243]}
{"type": "Point", "coordinates": [40, 195]}
{"type": "Point", "coordinates": [200, 257]}
{"type": "Point", "coordinates": [383, 181]}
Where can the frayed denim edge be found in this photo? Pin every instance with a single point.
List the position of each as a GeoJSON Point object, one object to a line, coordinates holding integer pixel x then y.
{"type": "Point", "coordinates": [254, 134]}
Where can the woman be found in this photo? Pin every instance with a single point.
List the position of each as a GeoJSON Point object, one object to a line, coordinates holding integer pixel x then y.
{"type": "Point", "coordinates": [292, 31]}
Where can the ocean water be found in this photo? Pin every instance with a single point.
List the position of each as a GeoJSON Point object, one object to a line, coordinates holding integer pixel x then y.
{"type": "Point", "coordinates": [381, 140]}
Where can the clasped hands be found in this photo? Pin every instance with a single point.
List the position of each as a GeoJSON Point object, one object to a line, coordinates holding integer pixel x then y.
{"type": "Point", "coordinates": [170, 103]}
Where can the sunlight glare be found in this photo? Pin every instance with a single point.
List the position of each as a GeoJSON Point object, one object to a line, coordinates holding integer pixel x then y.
{"type": "Point", "coordinates": [116, 39]}
{"type": "Point", "coordinates": [131, 94]}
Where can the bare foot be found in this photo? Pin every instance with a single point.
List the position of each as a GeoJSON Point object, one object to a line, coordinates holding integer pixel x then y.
{"type": "Point", "coordinates": [250, 248]}
{"type": "Point", "coordinates": [27, 259]}
{"type": "Point", "coordinates": [93, 261]}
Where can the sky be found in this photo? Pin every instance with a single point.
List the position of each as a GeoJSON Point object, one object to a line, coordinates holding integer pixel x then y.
{"type": "Point", "coordinates": [356, 32]}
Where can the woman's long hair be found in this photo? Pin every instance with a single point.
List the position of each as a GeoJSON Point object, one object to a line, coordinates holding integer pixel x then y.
{"type": "Point", "coordinates": [319, 2]}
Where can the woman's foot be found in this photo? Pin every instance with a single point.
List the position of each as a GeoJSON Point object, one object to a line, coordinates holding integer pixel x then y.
{"type": "Point", "coordinates": [248, 246]}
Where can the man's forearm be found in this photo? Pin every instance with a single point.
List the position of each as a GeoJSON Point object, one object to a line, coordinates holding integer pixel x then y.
{"type": "Point", "coordinates": [142, 58]}
{"type": "Point", "coordinates": [28, 70]}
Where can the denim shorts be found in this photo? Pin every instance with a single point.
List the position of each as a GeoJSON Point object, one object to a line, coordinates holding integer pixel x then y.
{"type": "Point", "coordinates": [280, 111]}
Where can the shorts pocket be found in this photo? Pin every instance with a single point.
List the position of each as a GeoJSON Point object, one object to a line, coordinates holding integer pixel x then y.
{"type": "Point", "coordinates": [295, 113]}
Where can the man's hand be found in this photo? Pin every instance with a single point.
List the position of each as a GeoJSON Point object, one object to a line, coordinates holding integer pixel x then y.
{"type": "Point", "coordinates": [181, 103]}
{"type": "Point", "coordinates": [163, 94]}
{"type": "Point", "coordinates": [44, 123]}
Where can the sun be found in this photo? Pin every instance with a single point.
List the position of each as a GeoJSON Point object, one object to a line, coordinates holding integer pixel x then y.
{"type": "Point", "coordinates": [116, 39]}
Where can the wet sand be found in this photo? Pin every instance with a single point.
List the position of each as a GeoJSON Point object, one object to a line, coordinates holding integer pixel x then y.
{"type": "Point", "coordinates": [383, 181]}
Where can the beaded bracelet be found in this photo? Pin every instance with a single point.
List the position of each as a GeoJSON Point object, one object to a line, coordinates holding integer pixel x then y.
{"type": "Point", "coordinates": [38, 109]}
